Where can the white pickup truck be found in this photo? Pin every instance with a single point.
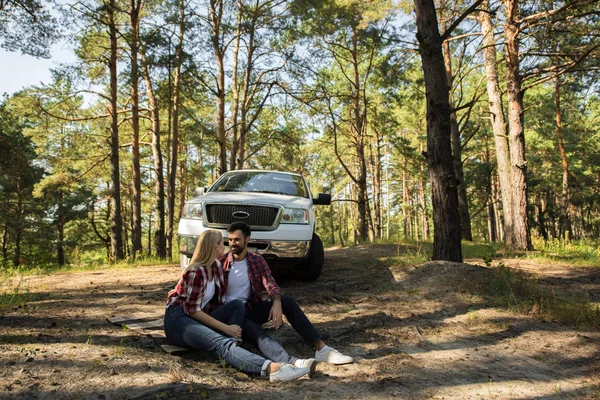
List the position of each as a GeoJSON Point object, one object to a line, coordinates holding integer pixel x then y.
{"type": "Point", "coordinates": [278, 207]}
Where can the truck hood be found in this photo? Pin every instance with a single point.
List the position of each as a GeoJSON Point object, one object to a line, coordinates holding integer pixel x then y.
{"type": "Point", "coordinates": [254, 198]}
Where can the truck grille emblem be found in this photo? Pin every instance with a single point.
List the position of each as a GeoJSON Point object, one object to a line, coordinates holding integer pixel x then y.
{"type": "Point", "coordinates": [240, 214]}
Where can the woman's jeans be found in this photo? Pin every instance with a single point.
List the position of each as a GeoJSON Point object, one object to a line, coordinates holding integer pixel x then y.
{"type": "Point", "coordinates": [182, 330]}
{"type": "Point", "coordinates": [252, 331]}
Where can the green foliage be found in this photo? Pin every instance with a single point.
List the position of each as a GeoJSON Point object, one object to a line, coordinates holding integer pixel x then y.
{"type": "Point", "coordinates": [28, 27]}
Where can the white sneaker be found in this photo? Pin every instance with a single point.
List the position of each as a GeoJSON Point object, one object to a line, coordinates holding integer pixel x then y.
{"type": "Point", "coordinates": [309, 363]}
{"type": "Point", "coordinates": [333, 356]}
{"type": "Point", "coordinates": [287, 372]}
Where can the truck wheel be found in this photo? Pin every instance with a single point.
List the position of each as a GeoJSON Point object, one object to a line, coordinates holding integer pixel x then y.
{"type": "Point", "coordinates": [184, 261]}
{"type": "Point", "coordinates": [316, 256]}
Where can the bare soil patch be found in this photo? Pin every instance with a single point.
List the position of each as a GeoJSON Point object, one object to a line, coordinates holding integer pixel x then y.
{"type": "Point", "coordinates": [416, 332]}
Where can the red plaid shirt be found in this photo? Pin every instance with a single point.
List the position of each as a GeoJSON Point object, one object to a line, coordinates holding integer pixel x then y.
{"type": "Point", "coordinates": [259, 274]}
{"type": "Point", "coordinates": [191, 287]}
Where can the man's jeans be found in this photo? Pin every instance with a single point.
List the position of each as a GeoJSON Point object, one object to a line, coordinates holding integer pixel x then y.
{"type": "Point", "coordinates": [182, 330]}
{"type": "Point", "coordinates": [253, 333]}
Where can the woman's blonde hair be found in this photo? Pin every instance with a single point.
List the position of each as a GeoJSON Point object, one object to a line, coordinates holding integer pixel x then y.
{"type": "Point", "coordinates": [206, 248]}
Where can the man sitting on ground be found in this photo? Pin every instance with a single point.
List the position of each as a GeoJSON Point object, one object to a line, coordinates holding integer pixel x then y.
{"type": "Point", "coordinates": [246, 275]}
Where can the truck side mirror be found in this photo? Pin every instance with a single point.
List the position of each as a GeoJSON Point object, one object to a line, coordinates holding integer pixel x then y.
{"type": "Point", "coordinates": [199, 192]}
{"type": "Point", "coordinates": [323, 199]}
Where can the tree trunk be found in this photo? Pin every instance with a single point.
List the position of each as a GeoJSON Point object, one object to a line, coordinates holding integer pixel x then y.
{"type": "Point", "coordinates": [519, 237]}
{"type": "Point", "coordinates": [550, 212]}
{"type": "Point", "coordinates": [463, 202]}
{"type": "Point", "coordinates": [404, 196]}
{"type": "Point", "coordinates": [542, 219]}
{"type": "Point", "coordinates": [183, 188]}
{"type": "Point", "coordinates": [497, 118]}
{"type": "Point", "coordinates": [216, 14]}
{"type": "Point", "coordinates": [159, 183]}
{"type": "Point", "coordinates": [116, 239]}
{"type": "Point", "coordinates": [491, 200]}
{"type": "Point", "coordinates": [60, 251]}
{"type": "Point", "coordinates": [175, 129]}
{"type": "Point", "coordinates": [375, 164]}
{"type": "Point", "coordinates": [235, 91]}
{"type": "Point", "coordinates": [18, 224]}
{"type": "Point", "coordinates": [136, 222]}
{"type": "Point", "coordinates": [424, 216]}
{"type": "Point", "coordinates": [5, 242]}
{"type": "Point", "coordinates": [446, 219]}
{"type": "Point", "coordinates": [564, 221]}
{"type": "Point", "coordinates": [387, 193]}
{"type": "Point", "coordinates": [244, 126]}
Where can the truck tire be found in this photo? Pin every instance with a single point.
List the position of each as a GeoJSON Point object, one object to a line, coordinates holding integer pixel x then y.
{"type": "Point", "coordinates": [316, 256]}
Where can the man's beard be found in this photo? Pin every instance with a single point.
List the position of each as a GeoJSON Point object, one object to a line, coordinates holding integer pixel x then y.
{"type": "Point", "coordinates": [237, 250]}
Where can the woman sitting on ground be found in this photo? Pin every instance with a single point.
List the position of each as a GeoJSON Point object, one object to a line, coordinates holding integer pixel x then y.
{"type": "Point", "coordinates": [188, 323]}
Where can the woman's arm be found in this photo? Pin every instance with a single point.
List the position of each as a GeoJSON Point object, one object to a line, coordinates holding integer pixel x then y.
{"type": "Point", "coordinates": [205, 319]}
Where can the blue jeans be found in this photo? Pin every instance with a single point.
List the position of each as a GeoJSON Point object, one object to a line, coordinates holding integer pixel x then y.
{"type": "Point", "coordinates": [252, 331]}
{"type": "Point", "coordinates": [183, 330]}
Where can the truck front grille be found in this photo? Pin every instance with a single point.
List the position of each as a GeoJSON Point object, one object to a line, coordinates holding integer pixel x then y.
{"type": "Point", "coordinates": [259, 217]}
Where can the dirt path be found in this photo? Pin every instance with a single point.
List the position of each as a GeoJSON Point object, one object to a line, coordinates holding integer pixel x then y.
{"type": "Point", "coordinates": [415, 331]}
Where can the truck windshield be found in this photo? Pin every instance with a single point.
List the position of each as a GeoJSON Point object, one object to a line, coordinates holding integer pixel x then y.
{"type": "Point", "coordinates": [261, 182]}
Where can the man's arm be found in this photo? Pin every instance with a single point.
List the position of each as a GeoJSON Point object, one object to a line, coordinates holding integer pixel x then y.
{"type": "Point", "coordinates": [276, 313]}
{"type": "Point", "coordinates": [268, 282]}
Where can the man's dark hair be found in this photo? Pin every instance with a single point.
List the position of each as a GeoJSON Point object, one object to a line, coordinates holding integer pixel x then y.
{"type": "Point", "coordinates": [240, 226]}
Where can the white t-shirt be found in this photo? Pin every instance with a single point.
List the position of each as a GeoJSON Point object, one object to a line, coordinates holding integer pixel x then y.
{"type": "Point", "coordinates": [208, 293]}
{"type": "Point", "coordinates": [238, 287]}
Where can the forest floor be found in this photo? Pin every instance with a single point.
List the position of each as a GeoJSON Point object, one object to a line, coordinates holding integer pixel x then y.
{"type": "Point", "coordinates": [415, 331]}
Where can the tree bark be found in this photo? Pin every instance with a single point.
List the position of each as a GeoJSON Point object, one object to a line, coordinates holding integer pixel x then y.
{"type": "Point", "coordinates": [446, 219]}
{"type": "Point", "coordinates": [519, 237]}
{"type": "Point", "coordinates": [5, 241]}
{"type": "Point", "coordinates": [565, 230]}
{"type": "Point", "coordinates": [136, 221]}
{"type": "Point", "coordinates": [18, 223]}
{"type": "Point", "coordinates": [159, 183]}
{"type": "Point", "coordinates": [235, 90]}
{"type": "Point", "coordinates": [60, 251]}
{"type": "Point", "coordinates": [422, 198]}
{"type": "Point", "coordinates": [216, 14]}
{"type": "Point", "coordinates": [116, 238]}
{"type": "Point", "coordinates": [463, 202]}
{"type": "Point", "coordinates": [497, 118]}
{"type": "Point", "coordinates": [175, 129]}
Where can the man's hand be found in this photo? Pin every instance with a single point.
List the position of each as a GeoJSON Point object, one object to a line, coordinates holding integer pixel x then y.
{"type": "Point", "coordinates": [276, 313]}
{"type": "Point", "coordinates": [233, 331]}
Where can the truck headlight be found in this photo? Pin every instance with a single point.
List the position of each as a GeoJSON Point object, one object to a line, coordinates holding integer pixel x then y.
{"type": "Point", "coordinates": [192, 211]}
{"type": "Point", "coordinates": [294, 216]}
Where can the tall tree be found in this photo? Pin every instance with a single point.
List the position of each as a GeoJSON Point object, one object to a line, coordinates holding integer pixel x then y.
{"type": "Point", "coordinates": [171, 189]}
{"type": "Point", "coordinates": [499, 126]}
{"type": "Point", "coordinates": [157, 157]}
{"type": "Point", "coordinates": [463, 202]}
{"type": "Point", "coordinates": [116, 229]}
{"type": "Point", "coordinates": [446, 219]}
{"type": "Point", "coordinates": [136, 223]}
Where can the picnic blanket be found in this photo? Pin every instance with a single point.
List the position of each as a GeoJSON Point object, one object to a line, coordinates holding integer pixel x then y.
{"type": "Point", "coordinates": [149, 325]}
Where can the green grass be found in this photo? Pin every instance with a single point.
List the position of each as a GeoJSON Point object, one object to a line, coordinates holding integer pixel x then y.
{"type": "Point", "coordinates": [88, 262]}
{"type": "Point", "coordinates": [486, 251]}
{"type": "Point", "coordinates": [513, 289]}
{"type": "Point", "coordinates": [574, 252]}
{"type": "Point", "coordinates": [16, 297]}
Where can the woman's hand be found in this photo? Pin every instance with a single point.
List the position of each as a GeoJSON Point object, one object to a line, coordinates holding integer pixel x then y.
{"type": "Point", "coordinates": [233, 331]}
